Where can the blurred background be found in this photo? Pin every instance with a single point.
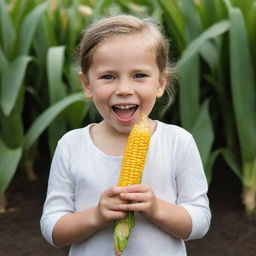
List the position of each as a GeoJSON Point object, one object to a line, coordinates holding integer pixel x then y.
{"type": "Point", "coordinates": [213, 43]}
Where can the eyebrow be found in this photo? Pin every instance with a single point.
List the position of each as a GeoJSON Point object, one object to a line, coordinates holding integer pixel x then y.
{"type": "Point", "coordinates": [141, 69]}
{"type": "Point", "coordinates": [105, 71]}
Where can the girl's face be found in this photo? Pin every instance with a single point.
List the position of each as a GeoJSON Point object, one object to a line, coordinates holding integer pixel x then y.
{"type": "Point", "coordinates": [124, 80]}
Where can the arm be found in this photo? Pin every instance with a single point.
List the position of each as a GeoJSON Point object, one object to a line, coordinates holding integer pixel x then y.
{"type": "Point", "coordinates": [74, 227]}
{"type": "Point", "coordinates": [189, 218]}
{"type": "Point", "coordinates": [60, 224]}
{"type": "Point", "coordinates": [172, 218]}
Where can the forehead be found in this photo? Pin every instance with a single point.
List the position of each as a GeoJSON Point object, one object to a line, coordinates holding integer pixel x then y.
{"type": "Point", "coordinates": [126, 46]}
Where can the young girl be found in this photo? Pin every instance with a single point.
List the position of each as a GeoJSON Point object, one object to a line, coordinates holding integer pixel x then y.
{"type": "Point", "coordinates": [124, 69]}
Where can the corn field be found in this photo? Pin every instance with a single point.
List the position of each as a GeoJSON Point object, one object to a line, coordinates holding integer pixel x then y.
{"type": "Point", "coordinates": [212, 42]}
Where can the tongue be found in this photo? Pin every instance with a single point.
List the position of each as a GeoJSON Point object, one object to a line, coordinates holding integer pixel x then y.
{"type": "Point", "coordinates": [125, 113]}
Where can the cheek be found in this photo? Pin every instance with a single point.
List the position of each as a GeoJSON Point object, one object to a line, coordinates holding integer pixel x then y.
{"type": "Point", "coordinates": [100, 96]}
{"type": "Point", "coordinates": [150, 92]}
{"type": "Point", "coordinates": [149, 99]}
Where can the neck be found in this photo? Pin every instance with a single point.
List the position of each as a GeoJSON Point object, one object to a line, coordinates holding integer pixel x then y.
{"type": "Point", "coordinates": [111, 141]}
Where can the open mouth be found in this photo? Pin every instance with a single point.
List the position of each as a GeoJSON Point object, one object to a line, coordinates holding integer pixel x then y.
{"type": "Point", "coordinates": [125, 112]}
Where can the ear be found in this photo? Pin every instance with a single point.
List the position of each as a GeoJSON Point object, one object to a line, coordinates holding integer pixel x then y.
{"type": "Point", "coordinates": [85, 84]}
{"type": "Point", "coordinates": [162, 84]}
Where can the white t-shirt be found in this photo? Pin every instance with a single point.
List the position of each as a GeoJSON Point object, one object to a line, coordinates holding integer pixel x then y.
{"type": "Point", "coordinates": [80, 172]}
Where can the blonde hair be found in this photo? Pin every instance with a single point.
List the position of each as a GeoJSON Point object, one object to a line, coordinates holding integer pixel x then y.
{"type": "Point", "coordinates": [127, 24]}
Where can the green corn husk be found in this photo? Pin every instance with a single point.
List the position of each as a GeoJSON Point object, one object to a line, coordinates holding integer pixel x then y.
{"type": "Point", "coordinates": [122, 232]}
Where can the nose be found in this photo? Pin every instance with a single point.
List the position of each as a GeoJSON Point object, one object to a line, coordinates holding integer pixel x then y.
{"type": "Point", "coordinates": [124, 87]}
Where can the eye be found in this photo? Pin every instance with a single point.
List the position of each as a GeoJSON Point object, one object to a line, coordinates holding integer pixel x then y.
{"type": "Point", "coordinates": [140, 75]}
{"type": "Point", "coordinates": [107, 77]}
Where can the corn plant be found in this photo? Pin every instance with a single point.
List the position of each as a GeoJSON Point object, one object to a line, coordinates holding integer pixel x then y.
{"type": "Point", "coordinates": [196, 33]}
{"type": "Point", "coordinates": [38, 41]}
{"type": "Point", "coordinates": [18, 28]}
{"type": "Point", "coordinates": [213, 42]}
{"type": "Point", "coordinates": [230, 60]}
{"type": "Point", "coordinates": [244, 100]}
{"type": "Point", "coordinates": [14, 62]}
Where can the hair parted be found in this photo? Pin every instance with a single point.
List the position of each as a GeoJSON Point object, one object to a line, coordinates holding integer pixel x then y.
{"type": "Point", "coordinates": [123, 24]}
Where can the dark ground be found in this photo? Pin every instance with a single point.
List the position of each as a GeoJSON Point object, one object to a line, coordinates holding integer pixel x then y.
{"type": "Point", "coordinates": [231, 233]}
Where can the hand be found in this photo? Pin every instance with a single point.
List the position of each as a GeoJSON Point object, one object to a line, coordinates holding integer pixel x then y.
{"type": "Point", "coordinates": [108, 208]}
{"type": "Point", "coordinates": [142, 199]}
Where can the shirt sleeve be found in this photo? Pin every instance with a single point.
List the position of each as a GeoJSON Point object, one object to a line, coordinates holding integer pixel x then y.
{"type": "Point", "coordinates": [60, 193]}
{"type": "Point", "coordinates": [192, 189]}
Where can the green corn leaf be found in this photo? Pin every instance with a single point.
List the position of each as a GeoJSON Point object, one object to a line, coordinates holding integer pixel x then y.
{"type": "Point", "coordinates": [12, 126]}
{"type": "Point", "coordinates": [3, 60]}
{"type": "Point", "coordinates": [209, 10]}
{"type": "Point", "coordinates": [73, 29]}
{"type": "Point", "coordinates": [203, 132]}
{"type": "Point", "coordinates": [99, 9]}
{"type": "Point", "coordinates": [228, 4]}
{"type": "Point", "coordinates": [9, 159]}
{"type": "Point", "coordinates": [212, 32]}
{"type": "Point", "coordinates": [47, 117]}
{"type": "Point", "coordinates": [7, 32]}
{"type": "Point", "coordinates": [19, 11]}
{"type": "Point", "coordinates": [242, 85]}
{"type": "Point", "coordinates": [12, 130]}
{"type": "Point", "coordinates": [11, 82]}
{"type": "Point", "coordinates": [244, 5]}
{"type": "Point", "coordinates": [44, 38]}
{"type": "Point", "coordinates": [252, 30]}
{"type": "Point", "coordinates": [55, 63]}
{"type": "Point", "coordinates": [28, 28]}
{"type": "Point", "coordinates": [174, 11]}
{"type": "Point", "coordinates": [232, 161]}
{"type": "Point", "coordinates": [193, 25]}
{"type": "Point", "coordinates": [221, 10]}
{"type": "Point", "coordinates": [75, 121]}
{"type": "Point", "coordinates": [209, 165]}
{"type": "Point", "coordinates": [209, 53]}
{"type": "Point", "coordinates": [175, 21]}
{"type": "Point", "coordinates": [189, 92]}
{"type": "Point", "coordinates": [57, 90]}
{"type": "Point", "coordinates": [122, 231]}
{"type": "Point", "coordinates": [157, 14]}
{"type": "Point", "coordinates": [73, 78]}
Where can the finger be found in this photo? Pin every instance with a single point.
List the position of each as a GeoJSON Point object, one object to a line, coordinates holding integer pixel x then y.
{"type": "Point", "coordinates": [117, 206]}
{"type": "Point", "coordinates": [136, 188]}
{"type": "Point", "coordinates": [115, 215]}
{"type": "Point", "coordinates": [138, 207]}
{"type": "Point", "coordinates": [139, 197]}
{"type": "Point", "coordinates": [113, 191]}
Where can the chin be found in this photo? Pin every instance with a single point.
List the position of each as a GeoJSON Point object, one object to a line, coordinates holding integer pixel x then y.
{"type": "Point", "coordinates": [124, 129]}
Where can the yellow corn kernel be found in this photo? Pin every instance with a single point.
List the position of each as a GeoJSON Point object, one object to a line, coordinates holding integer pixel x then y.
{"type": "Point", "coordinates": [135, 154]}
{"type": "Point", "coordinates": [131, 173]}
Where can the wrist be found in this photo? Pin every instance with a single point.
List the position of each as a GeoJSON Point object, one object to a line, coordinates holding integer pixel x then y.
{"type": "Point", "coordinates": [155, 213]}
{"type": "Point", "coordinates": [98, 221]}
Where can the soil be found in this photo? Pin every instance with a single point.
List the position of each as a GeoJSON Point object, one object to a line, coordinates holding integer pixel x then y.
{"type": "Point", "coordinates": [231, 232]}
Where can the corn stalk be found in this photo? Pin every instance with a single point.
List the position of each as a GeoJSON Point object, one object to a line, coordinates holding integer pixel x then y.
{"type": "Point", "coordinates": [201, 30]}
{"type": "Point", "coordinates": [14, 50]}
{"type": "Point", "coordinates": [244, 102]}
{"type": "Point", "coordinates": [19, 23]}
{"type": "Point", "coordinates": [37, 42]}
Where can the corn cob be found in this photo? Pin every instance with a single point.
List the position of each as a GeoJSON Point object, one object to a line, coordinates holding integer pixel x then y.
{"type": "Point", "coordinates": [131, 173]}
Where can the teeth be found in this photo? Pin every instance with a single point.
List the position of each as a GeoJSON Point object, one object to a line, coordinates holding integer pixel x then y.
{"type": "Point", "coordinates": [125, 106]}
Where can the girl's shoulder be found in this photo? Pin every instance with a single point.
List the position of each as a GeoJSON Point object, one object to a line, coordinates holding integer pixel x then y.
{"type": "Point", "coordinates": [172, 131]}
{"type": "Point", "coordinates": [75, 137]}
{"type": "Point", "coordinates": [172, 136]}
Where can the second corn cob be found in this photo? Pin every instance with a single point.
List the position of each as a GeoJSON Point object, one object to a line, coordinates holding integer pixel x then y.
{"type": "Point", "coordinates": [131, 173]}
